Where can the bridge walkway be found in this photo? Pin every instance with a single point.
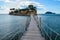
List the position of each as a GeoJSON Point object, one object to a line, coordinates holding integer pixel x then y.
{"type": "Point", "coordinates": [32, 32]}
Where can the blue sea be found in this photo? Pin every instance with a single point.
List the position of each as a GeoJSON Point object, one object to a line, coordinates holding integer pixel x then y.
{"type": "Point", "coordinates": [50, 26]}
{"type": "Point", "coordinates": [11, 25]}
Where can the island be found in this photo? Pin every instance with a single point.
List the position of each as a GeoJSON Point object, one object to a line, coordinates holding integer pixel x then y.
{"type": "Point", "coordinates": [24, 12]}
{"type": "Point", "coordinates": [48, 12]}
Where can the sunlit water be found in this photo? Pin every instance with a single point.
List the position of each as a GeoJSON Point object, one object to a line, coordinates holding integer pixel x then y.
{"type": "Point", "coordinates": [11, 25]}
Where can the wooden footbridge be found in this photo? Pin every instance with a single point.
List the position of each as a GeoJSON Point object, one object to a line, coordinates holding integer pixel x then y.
{"type": "Point", "coordinates": [32, 32]}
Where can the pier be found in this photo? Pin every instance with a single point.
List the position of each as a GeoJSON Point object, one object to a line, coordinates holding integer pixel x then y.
{"type": "Point", "coordinates": [32, 32]}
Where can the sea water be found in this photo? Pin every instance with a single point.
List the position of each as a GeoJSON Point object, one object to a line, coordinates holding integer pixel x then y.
{"type": "Point", "coordinates": [11, 25]}
{"type": "Point", "coordinates": [50, 26]}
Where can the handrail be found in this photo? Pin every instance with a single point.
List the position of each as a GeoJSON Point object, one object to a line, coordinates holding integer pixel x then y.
{"type": "Point", "coordinates": [40, 23]}
{"type": "Point", "coordinates": [51, 29]}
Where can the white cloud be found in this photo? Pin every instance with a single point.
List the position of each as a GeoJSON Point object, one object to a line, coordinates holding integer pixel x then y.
{"type": "Point", "coordinates": [26, 3]}
{"type": "Point", "coordinates": [19, 4]}
{"type": "Point", "coordinates": [5, 10]}
{"type": "Point", "coordinates": [5, 0]}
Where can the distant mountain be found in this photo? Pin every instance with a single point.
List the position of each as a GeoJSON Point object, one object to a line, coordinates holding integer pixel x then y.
{"type": "Point", "coordinates": [50, 13]}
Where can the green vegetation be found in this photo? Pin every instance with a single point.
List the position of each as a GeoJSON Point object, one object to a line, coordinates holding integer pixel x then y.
{"type": "Point", "coordinates": [27, 11]}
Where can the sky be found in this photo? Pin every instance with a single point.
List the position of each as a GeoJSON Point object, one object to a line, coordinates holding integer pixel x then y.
{"type": "Point", "coordinates": [42, 5]}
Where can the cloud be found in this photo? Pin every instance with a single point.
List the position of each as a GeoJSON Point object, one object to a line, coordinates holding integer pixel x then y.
{"type": "Point", "coordinates": [5, 0]}
{"type": "Point", "coordinates": [40, 7]}
{"type": "Point", "coordinates": [20, 4]}
{"type": "Point", "coordinates": [4, 10]}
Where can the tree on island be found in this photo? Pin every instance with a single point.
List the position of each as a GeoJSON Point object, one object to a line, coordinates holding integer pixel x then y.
{"type": "Point", "coordinates": [50, 13]}
{"type": "Point", "coordinates": [16, 11]}
{"type": "Point", "coordinates": [32, 7]}
{"type": "Point", "coordinates": [12, 9]}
